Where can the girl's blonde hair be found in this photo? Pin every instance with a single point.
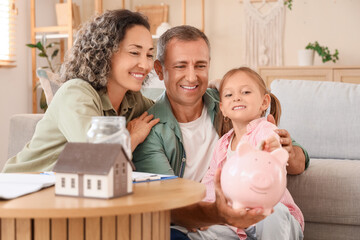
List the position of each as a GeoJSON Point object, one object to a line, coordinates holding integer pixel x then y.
{"type": "Point", "coordinates": [275, 109]}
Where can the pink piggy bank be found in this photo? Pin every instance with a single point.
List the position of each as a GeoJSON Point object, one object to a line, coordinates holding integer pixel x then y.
{"type": "Point", "coordinates": [254, 178]}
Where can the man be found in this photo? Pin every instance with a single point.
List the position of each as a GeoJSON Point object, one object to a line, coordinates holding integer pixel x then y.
{"type": "Point", "coordinates": [183, 141]}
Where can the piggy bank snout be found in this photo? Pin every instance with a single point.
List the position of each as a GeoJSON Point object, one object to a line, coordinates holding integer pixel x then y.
{"type": "Point", "coordinates": [261, 181]}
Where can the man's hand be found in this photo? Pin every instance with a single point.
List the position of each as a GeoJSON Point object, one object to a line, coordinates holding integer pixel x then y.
{"type": "Point", "coordinates": [296, 155]}
{"type": "Point", "coordinates": [140, 127]}
{"type": "Point", "coordinates": [240, 218]}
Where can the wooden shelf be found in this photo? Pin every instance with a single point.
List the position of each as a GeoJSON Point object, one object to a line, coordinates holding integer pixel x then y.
{"type": "Point", "coordinates": [51, 29]}
{"type": "Point", "coordinates": [336, 73]}
{"type": "Point", "coordinates": [52, 32]}
{"type": "Point", "coordinates": [52, 36]}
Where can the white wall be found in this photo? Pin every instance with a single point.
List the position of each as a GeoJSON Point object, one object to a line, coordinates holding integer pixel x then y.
{"type": "Point", "coordinates": [331, 22]}
{"type": "Point", "coordinates": [15, 91]}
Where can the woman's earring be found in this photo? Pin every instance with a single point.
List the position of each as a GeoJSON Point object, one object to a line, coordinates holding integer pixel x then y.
{"type": "Point", "coordinates": [226, 119]}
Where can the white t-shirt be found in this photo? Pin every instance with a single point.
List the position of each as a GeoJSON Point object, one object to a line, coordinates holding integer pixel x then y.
{"type": "Point", "coordinates": [199, 139]}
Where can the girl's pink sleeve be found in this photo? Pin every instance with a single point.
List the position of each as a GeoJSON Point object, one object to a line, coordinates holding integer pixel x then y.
{"type": "Point", "coordinates": [209, 177]}
{"type": "Point", "coordinates": [266, 130]}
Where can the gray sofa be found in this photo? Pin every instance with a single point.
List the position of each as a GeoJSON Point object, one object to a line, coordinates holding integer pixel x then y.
{"type": "Point", "coordinates": [324, 118]}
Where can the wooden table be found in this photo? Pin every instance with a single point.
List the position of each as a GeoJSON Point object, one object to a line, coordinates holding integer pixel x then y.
{"type": "Point", "coordinates": [145, 214]}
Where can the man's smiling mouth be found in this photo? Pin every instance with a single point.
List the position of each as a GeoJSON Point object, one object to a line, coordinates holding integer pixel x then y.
{"type": "Point", "coordinates": [189, 87]}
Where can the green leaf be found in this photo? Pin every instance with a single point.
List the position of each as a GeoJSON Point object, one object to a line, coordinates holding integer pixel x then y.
{"type": "Point", "coordinates": [40, 46]}
{"type": "Point", "coordinates": [50, 45]}
{"type": "Point", "coordinates": [31, 45]}
{"type": "Point", "coordinates": [288, 3]}
{"type": "Point", "coordinates": [42, 54]}
{"type": "Point", "coordinates": [43, 104]}
{"type": "Point", "coordinates": [55, 53]}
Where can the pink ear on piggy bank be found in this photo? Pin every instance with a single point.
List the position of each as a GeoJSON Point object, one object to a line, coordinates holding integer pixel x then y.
{"type": "Point", "coordinates": [281, 155]}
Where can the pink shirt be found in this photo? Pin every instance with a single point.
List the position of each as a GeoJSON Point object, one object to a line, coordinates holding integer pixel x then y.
{"type": "Point", "coordinates": [257, 130]}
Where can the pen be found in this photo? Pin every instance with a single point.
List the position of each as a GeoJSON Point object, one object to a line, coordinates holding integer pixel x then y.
{"type": "Point", "coordinates": [147, 178]}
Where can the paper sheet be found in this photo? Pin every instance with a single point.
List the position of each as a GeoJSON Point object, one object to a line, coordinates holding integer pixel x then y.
{"type": "Point", "coordinates": [13, 185]}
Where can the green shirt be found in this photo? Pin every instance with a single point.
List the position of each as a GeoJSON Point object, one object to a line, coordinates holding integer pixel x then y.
{"type": "Point", "coordinates": [68, 119]}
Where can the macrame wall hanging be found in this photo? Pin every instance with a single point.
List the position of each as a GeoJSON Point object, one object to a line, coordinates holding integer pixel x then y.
{"type": "Point", "coordinates": [264, 27]}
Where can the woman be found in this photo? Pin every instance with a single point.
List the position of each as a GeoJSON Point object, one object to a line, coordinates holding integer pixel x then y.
{"type": "Point", "coordinates": [102, 76]}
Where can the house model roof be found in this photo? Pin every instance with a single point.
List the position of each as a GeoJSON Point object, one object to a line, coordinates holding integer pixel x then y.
{"type": "Point", "coordinates": [89, 158]}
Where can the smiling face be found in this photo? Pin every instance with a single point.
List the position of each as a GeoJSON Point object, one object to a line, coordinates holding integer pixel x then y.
{"type": "Point", "coordinates": [133, 61]}
{"type": "Point", "coordinates": [241, 98]}
{"type": "Point", "coordinates": [185, 72]}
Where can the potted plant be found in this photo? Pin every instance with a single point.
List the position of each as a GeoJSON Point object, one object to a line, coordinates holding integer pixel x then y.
{"type": "Point", "coordinates": [44, 53]}
{"type": "Point", "coordinates": [323, 52]}
{"type": "Point", "coordinates": [306, 56]}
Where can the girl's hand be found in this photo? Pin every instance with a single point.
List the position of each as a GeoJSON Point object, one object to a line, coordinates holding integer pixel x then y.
{"type": "Point", "coordinates": [140, 127]}
{"type": "Point", "coordinates": [286, 142]}
{"type": "Point", "coordinates": [271, 144]}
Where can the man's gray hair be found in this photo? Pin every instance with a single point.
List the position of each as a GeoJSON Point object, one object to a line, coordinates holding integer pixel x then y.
{"type": "Point", "coordinates": [183, 33]}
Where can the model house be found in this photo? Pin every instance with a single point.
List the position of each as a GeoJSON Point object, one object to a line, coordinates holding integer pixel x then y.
{"type": "Point", "coordinates": [93, 170]}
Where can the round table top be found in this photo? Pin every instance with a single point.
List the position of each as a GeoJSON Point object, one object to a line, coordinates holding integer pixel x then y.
{"type": "Point", "coordinates": [146, 197]}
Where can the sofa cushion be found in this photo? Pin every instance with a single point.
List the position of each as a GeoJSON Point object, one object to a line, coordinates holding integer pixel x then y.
{"type": "Point", "coordinates": [322, 116]}
{"type": "Point", "coordinates": [22, 128]}
{"type": "Point", "coordinates": [328, 191]}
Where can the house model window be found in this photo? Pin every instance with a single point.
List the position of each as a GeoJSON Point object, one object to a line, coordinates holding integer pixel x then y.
{"type": "Point", "coordinates": [72, 182]}
{"type": "Point", "coordinates": [63, 182]}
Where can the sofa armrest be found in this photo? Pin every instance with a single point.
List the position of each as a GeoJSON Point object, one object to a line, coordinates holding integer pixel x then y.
{"type": "Point", "coordinates": [22, 128]}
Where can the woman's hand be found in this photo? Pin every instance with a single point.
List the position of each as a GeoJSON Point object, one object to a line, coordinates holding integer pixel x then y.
{"type": "Point", "coordinates": [140, 127]}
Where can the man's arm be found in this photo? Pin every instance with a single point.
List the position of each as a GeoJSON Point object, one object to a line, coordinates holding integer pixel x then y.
{"type": "Point", "coordinates": [149, 156]}
{"type": "Point", "coordinates": [205, 214]}
{"type": "Point", "coordinates": [298, 157]}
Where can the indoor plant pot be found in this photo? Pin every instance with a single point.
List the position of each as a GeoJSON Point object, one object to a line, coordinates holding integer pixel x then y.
{"type": "Point", "coordinates": [306, 57]}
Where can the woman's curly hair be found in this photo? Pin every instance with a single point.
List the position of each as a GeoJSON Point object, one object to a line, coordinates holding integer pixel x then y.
{"type": "Point", "coordinates": [95, 44]}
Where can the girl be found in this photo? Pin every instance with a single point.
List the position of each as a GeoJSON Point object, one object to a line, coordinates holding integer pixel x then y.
{"type": "Point", "coordinates": [243, 102]}
{"type": "Point", "coordinates": [103, 74]}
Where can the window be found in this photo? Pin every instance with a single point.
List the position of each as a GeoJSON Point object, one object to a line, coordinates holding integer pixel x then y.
{"type": "Point", "coordinates": [99, 184]}
{"type": "Point", "coordinates": [8, 12]}
{"type": "Point", "coordinates": [72, 182]}
{"type": "Point", "coordinates": [89, 184]}
{"type": "Point", "coordinates": [62, 182]}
